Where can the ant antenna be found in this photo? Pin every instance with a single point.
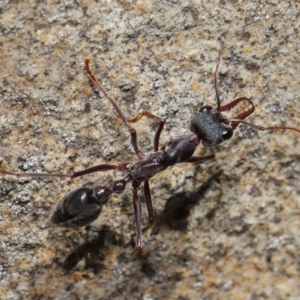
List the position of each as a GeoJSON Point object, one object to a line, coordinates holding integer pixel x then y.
{"type": "Point", "coordinates": [262, 128]}
{"type": "Point", "coordinates": [216, 81]}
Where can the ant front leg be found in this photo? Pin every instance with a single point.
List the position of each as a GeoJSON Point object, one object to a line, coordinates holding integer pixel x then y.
{"type": "Point", "coordinates": [139, 153]}
{"type": "Point", "coordinates": [147, 191]}
{"type": "Point", "coordinates": [156, 118]}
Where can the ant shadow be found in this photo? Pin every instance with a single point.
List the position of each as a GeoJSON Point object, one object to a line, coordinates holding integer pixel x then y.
{"type": "Point", "coordinates": [175, 215]}
{"type": "Point", "coordinates": [92, 252]}
{"type": "Point", "coordinates": [179, 205]}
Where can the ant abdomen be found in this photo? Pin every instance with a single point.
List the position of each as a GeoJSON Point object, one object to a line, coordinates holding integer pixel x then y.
{"type": "Point", "coordinates": [78, 208]}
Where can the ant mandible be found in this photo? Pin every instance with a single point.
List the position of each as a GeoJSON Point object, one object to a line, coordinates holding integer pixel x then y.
{"type": "Point", "coordinates": [82, 206]}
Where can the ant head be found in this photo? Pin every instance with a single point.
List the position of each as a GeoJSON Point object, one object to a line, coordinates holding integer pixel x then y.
{"type": "Point", "coordinates": [210, 126]}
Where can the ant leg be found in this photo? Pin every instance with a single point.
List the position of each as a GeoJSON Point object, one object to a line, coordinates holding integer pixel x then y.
{"type": "Point", "coordinates": [156, 118]}
{"type": "Point", "coordinates": [102, 168]}
{"type": "Point", "coordinates": [138, 213]}
{"type": "Point", "coordinates": [138, 216]}
{"type": "Point", "coordinates": [71, 175]}
{"type": "Point", "coordinates": [148, 200]}
{"type": "Point", "coordinates": [199, 159]}
{"type": "Point", "coordinates": [139, 153]}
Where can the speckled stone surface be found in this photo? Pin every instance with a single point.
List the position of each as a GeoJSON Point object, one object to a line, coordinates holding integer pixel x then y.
{"type": "Point", "coordinates": [226, 229]}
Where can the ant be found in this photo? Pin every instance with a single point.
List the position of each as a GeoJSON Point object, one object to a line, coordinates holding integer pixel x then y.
{"type": "Point", "coordinates": [82, 206]}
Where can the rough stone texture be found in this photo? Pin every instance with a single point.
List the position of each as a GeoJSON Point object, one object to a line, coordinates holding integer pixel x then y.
{"type": "Point", "coordinates": [227, 229]}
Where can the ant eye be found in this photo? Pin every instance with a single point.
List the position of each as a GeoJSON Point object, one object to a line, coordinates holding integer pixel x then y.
{"type": "Point", "coordinates": [205, 108]}
{"type": "Point", "coordinates": [227, 134]}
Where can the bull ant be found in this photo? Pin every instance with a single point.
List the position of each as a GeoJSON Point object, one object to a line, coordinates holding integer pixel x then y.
{"type": "Point", "coordinates": [82, 206]}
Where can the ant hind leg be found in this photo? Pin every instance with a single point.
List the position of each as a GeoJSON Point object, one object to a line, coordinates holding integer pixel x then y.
{"type": "Point", "coordinates": [71, 175]}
